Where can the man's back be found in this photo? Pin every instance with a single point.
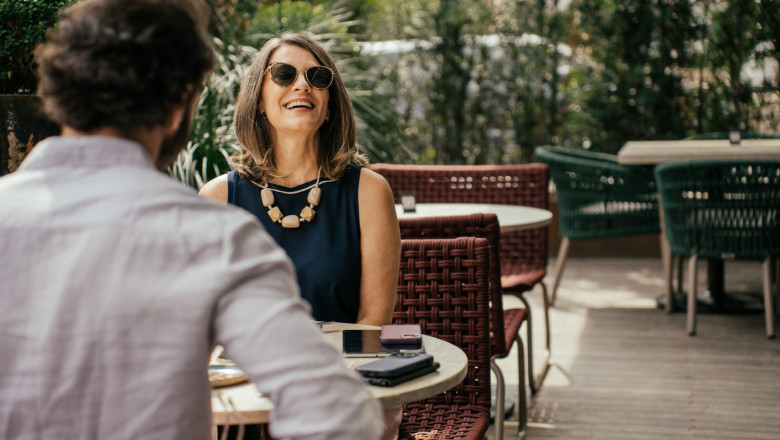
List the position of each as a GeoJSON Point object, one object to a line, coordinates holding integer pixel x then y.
{"type": "Point", "coordinates": [118, 281]}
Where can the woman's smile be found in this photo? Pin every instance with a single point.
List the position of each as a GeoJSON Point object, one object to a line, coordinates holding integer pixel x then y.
{"type": "Point", "coordinates": [298, 107]}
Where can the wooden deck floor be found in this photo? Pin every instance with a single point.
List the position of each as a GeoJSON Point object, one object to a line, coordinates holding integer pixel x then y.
{"type": "Point", "coordinates": [623, 369]}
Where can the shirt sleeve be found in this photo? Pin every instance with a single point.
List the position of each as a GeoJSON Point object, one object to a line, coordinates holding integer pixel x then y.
{"type": "Point", "coordinates": [268, 331]}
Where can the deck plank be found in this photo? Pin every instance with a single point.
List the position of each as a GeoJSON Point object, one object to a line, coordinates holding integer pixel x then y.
{"type": "Point", "coordinates": [623, 369]}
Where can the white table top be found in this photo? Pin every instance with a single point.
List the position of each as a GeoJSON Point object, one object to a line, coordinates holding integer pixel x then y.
{"type": "Point", "coordinates": [654, 152]}
{"type": "Point", "coordinates": [510, 217]}
{"type": "Point", "coordinates": [256, 409]}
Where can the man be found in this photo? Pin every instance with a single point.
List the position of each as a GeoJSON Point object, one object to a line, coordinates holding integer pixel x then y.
{"type": "Point", "coordinates": [116, 282]}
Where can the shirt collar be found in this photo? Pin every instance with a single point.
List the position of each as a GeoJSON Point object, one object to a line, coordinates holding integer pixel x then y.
{"type": "Point", "coordinates": [86, 151]}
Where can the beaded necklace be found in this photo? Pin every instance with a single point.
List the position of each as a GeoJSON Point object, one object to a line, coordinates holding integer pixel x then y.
{"type": "Point", "coordinates": [291, 221]}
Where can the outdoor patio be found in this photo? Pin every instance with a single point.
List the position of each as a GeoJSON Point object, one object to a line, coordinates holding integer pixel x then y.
{"type": "Point", "coordinates": [623, 369]}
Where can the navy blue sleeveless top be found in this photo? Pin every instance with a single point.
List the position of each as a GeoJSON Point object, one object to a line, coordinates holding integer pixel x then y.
{"type": "Point", "coordinates": [325, 251]}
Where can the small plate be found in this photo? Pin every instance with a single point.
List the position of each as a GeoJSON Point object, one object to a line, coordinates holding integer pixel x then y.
{"type": "Point", "coordinates": [224, 375]}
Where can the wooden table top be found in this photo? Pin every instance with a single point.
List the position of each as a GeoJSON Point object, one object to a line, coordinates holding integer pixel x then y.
{"type": "Point", "coordinates": [655, 152]}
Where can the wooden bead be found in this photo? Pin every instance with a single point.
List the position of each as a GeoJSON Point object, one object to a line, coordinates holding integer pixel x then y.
{"type": "Point", "coordinates": [314, 196]}
{"type": "Point", "coordinates": [267, 197]}
{"type": "Point", "coordinates": [290, 221]}
{"type": "Point", "coordinates": [307, 213]}
{"type": "Point", "coordinates": [275, 213]}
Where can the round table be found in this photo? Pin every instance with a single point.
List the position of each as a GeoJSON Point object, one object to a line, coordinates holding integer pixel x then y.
{"type": "Point", "coordinates": [510, 217]}
{"type": "Point", "coordinates": [253, 408]}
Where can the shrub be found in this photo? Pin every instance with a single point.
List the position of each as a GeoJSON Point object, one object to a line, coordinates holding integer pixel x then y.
{"type": "Point", "coordinates": [23, 24]}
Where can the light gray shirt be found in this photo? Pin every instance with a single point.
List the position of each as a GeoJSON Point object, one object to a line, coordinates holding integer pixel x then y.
{"type": "Point", "coordinates": [116, 282]}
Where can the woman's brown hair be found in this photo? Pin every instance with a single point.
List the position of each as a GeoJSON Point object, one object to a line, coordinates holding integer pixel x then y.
{"type": "Point", "coordinates": [338, 136]}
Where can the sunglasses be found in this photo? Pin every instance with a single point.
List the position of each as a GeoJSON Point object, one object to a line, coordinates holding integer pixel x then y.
{"type": "Point", "coordinates": [283, 74]}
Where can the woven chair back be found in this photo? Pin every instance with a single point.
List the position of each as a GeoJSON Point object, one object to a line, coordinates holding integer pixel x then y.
{"type": "Point", "coordinates": [522, 252]}
{"type": "Point", "coordinates": [722, 209]}
{"type": "Point", "coordinates": [475, 225]}
{"type": "Point", "coordinates": [599, 198]}
{"type": "Point", "coordinates": [444, 286]}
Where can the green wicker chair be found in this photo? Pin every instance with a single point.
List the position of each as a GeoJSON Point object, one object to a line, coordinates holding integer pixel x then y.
{"type": "Point", "coordinates": [723, 209]}
{"type": "Point", "coordinates": [598, 198]}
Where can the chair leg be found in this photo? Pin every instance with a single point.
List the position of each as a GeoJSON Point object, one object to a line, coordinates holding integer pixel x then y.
{"type": "Point", "coordinates": [668, 284]}
{"type": "Point", "coordinates": [680, 269]}
{"type": "Point", "coordinates": [529, 336]}
{"type": "Point", "coordinates": [522, 399]}
{"type": "Point", "coordinates": [547, 338]}
{"type": "Point", "coordinates": [535, 381]}
{"type": "Point", "coordinates": [692, 273]}
{"type": "Point", "coordinates": [666, 252]}
{"type": "Point", "coordinates": [498, 422]}
{"type": "Point", "coordinates": [560, 263]}
{"type": "Point", "coordinates": [769, 308]}
{"type": "Point", "coordinates": [777, 284]}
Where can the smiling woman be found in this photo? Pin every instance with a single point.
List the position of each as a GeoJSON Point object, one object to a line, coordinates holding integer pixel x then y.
{"type": "Point", "coordinates": [301, 174]}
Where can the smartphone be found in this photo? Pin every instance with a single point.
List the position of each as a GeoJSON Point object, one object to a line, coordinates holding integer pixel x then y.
{"type": "Point", "coordinates": [367, 343]}
{"type": "Point", "coordinates": [401, 334]}
{"type": "Point", "coordinates": [395, 380]}
{"type": "Point", "coordinates": [395, 365]}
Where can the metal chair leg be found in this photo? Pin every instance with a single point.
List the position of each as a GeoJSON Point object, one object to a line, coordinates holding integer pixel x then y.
{"type": "Point", "coordinates": [668, 275]}
{"type": "Point", "coordinates": [769, 308]}
{"type": "Point", "coordinates": [498, 421]}
{"type": "Point", "coordinates": [522, 399]}
{"type": "Point", "coordinates": [560, 263]}
{"type": "Point", "coordinates": [777, 284]}
{"type": "Point", "coordinates": [674, 275]}
{"type": "Point", "coordinates": [535, 381]}
{"type": "Point", "coordinates": [680, 268]}
{"type": "Point", "coordinates": [692, 273]}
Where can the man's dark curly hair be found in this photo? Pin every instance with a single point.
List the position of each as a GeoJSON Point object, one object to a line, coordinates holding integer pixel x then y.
{"type": "Point", "coordinates": [123, 63]}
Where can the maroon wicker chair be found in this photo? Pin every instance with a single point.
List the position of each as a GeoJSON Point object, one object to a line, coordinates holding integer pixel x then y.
{"type": "Point", "coordinates": [523, 253]}
{"type": "Point", "coordinates": [484, 226]}
{"type": "Point", "coordinates": [444, 286]}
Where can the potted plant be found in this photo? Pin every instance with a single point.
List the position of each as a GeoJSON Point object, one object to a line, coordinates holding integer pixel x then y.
{"type": "Point", "coordinates": [23, 25]}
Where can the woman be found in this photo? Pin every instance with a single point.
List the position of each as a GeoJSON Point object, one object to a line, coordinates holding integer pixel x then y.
{"type": "Point", "coordinates": [300, 173]}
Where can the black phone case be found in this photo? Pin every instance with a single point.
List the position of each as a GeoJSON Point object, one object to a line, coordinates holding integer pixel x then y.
{"type": "Point", "coordinates": [393, 381]}
{"type": "Point", "coordinates": [395, 365]}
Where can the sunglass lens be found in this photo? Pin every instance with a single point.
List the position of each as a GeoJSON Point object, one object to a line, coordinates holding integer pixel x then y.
{"type": "Point", "coordinates": [283, 74]}
{"type": "Point", "coordinates": [319, 77]}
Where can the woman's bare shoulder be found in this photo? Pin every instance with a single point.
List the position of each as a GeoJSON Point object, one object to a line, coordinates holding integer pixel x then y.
{"type": "Point", "coordinates": [372, 181]}
{"type": "Point", "coordinates": [375, 197]}
{"type": "Point", "coordinates": [216, 189]}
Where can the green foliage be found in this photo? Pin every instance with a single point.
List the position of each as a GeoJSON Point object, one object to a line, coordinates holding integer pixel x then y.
{"type": "Point", "coordinates": [229, 18]}
{"type": "Point", "coordinates": [23, 24]}
{"type": "Point", "coordinates": [474, 84]}
{"type": "Point", "coordinates": [595, 75]}
{"type": "Point", "coordinates": [212, 137]}
{"type": "Point", "coordinates": [668, 70]}
{"type": "Point", "coordinates": [477, 87]}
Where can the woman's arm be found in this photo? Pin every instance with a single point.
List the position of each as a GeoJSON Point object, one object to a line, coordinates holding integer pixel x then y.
{"type": "Point", "coordinates": [216, 189]}
{"type": "Point", "coordinates": [380, 249]}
